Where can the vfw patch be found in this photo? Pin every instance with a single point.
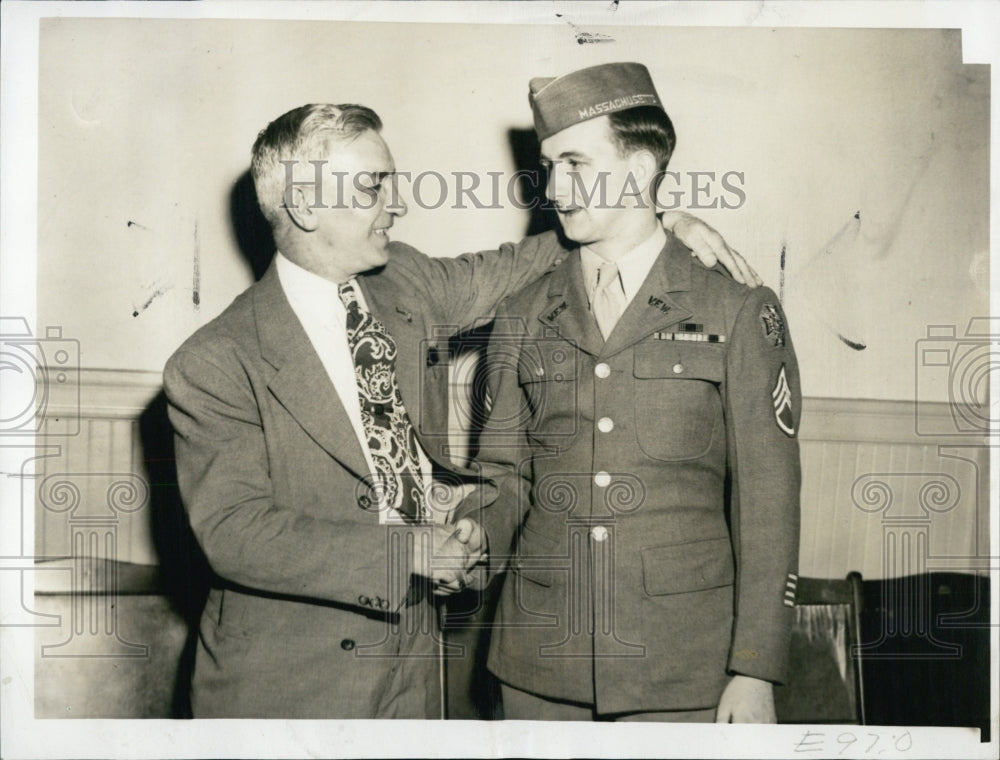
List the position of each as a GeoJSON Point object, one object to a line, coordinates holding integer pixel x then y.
{"type": "Point", "coordinates": [773, 325]}
{"type": "Point", "coordinates": [781, 396]}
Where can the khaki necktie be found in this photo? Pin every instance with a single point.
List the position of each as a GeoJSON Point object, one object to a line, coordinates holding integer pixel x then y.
{"type": "Point", "coordinates": [607, 299]}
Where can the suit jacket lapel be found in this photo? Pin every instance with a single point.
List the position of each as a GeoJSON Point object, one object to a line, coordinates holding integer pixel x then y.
{"type": "Point", "coordinates": [300, 382]}
{"type": "Point", "coordinates": [653, 309]}
{"type": "Point", "coordinates": [568, 308]}
{"type": "Point", "coordinates": [424, 392]}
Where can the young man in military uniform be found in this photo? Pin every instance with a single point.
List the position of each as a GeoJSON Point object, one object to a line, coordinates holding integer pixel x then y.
{"type": "Point", "coordinates": [643, 436]}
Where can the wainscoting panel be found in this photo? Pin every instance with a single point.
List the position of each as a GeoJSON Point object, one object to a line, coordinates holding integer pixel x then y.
{"type": "Point", "coordinates": [877, 497]}
{"type": "Point", "coordinates": [92, 484]}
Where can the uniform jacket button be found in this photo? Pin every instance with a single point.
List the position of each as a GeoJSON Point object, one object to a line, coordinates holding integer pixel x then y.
{"type": "Point", "coordinates": [602, 370]}
{"type": "Point", "coordinates": [605, 424]}
{"type": "Point", "coordinates": [347, 645]}
{"type": "Point", "coordinates": [678, 368]}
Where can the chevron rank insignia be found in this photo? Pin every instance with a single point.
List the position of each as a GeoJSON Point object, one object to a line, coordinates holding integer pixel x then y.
{"type": "Point", "coordinates": [790, 586]}
{"type": "Point", "coordinates": [773, 325]}
{"type": "Point", "coordinates": [781, 397]}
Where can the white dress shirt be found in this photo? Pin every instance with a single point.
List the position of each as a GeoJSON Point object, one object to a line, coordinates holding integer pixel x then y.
{"type": "Point", "coordinates": [316, 302]}
{"type": "Point", "coordinates": [633, 267]}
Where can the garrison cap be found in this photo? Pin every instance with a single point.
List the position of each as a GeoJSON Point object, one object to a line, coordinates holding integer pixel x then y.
{"type": "Point", "coordinates": [560, 102]}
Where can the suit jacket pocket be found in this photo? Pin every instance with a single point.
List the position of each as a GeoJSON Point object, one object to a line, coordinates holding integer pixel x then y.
{"type": "Point", "coordinates": [692, 566]}
{"type": "Point", "coordinates": [678, 405]}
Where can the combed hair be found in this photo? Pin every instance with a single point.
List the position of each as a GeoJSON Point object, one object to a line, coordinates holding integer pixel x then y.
{"type": "Point", "coordinates": [303, 134]}
{"type": "Point", "coordinates": [643, 128]}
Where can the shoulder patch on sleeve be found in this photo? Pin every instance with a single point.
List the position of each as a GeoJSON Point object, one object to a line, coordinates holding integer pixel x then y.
{"type": "Point", "coordinates": [773, 324]}
{"type": "Point", "coordinates": [782, 398]}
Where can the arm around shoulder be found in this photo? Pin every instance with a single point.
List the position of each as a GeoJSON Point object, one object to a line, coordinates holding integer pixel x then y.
{"type": "Point", "coordinates": [471, 286]}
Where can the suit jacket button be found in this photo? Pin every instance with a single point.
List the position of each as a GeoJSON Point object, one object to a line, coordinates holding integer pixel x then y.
{"type": "Point", "coordinates": [347, 645]}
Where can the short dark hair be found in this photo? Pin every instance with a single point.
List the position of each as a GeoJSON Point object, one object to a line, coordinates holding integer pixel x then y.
{"type": "Point", "coordinates": [643, 128]}
{"type": "Point", "coordinates": [302, 134]}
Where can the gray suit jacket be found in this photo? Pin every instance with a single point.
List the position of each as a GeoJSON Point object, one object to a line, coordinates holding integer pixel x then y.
{"type": "Point", "coordinates": [304, 618]}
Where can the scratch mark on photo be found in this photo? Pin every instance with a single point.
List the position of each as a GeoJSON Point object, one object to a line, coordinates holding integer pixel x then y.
{"type": "Point", "coordinates": [856, 345]}
{"type": "Point", "coordinates": [155, 294]}
{"type": "Point", "coordinates": [196, 273]}
{"type": "Point", "coordinates": [781, 276]}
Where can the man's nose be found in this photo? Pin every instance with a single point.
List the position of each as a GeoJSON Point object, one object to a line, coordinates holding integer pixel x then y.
{"type": "Point", "coordinates": [395, 204]}
{"type": "Point", "coordinates": [556, 184]}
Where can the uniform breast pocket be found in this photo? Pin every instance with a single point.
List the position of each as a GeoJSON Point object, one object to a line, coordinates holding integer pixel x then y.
{"type": "Point", "coordinates": [547, 375]}
{"type": "Point", "coordinates": [678, 404]}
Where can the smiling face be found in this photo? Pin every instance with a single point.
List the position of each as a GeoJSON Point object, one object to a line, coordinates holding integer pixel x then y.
{"type": "Point", "coordinates": [359, 206]}
{"type": "Point", "coordinates": [343, 229]}
{"type": "Point", "coordinates": [601, 197]}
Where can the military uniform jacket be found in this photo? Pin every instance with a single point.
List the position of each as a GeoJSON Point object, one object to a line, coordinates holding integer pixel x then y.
{"type": "Point", "coordinates": [653, 483]}
{"type": "Point", "coordinates": [304, 618]}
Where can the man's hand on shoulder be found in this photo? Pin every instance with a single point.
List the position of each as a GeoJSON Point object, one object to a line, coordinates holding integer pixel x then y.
{"type": "Point", "coordinates": [747, 700]}
{"type": "Point", "coordinates": [709, 246]}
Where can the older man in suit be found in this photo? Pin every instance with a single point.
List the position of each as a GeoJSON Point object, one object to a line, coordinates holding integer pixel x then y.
{"type": "Point", "coordinates": [643, 439]}
{"type": "Point", "coordinates": [311, 429]}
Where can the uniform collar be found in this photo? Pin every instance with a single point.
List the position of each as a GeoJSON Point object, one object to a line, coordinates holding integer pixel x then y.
{"type": "Point", "coordinates": [633, 267]}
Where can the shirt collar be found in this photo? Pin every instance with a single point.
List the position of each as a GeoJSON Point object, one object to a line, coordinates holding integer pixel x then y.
{"type": "Point", "coordinates": [633, 267]}
{"type": "Point", "coordinates": [309, 294]}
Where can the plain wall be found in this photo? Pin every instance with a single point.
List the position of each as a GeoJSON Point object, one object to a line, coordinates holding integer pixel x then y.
{"type": "Point", "coordinates": [146, 125]}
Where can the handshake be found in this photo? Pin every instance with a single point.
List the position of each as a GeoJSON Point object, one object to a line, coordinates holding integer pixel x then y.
{"type": "Point", "coordinates": [453, 557]}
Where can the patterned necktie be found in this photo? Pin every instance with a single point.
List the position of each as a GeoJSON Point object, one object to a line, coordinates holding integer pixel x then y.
{"type": "Point", "coordinates": [607, 299]}
{"type": "Point", "coordinates": [391, 439]}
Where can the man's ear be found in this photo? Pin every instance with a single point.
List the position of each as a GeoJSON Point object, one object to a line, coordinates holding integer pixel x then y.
{"type": "Point", "coordinates": [644, 167]}
{"type": "Point", "coordinates": [300, 210]}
